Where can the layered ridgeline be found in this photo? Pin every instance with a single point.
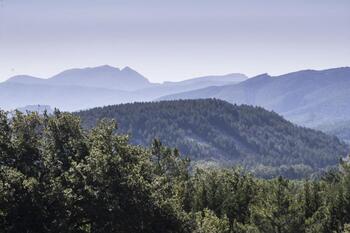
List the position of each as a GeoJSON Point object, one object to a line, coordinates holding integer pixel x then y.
{"type": "Point", "coordinates": [73, 89]}
{"type": "Point", "coordinates": [104, 76]}
{"type": "Point", "coordinates": [217, 131]}
{"type": "Point", "coordinates": [312, 98]}
{"type": "Point", "coordinates": [77, 89]}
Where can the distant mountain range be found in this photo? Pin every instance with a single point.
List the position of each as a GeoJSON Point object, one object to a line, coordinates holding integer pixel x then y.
{"type": "Point", "coordinates": [98, 86]}
{"type": "Point", "coordinates": [215, 131]}
{"type": "Point", "coordinates": [317, 99]}
{"type": "Point", "coordinates": [105, 76]}
{"type": "Point", "coordinates": [310, 98]}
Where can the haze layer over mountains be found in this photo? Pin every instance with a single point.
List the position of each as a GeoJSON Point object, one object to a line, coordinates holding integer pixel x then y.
{"type": "Point", "coordinates": [77, 89]}
{"type": "Point", "coordinates": [317, 99]}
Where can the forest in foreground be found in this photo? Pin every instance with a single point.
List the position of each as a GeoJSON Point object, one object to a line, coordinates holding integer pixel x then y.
{"type": "Point", "coordinates": [57, 177]}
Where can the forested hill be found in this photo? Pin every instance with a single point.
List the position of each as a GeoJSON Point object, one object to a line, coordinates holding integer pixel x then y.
{"type": "Point", "coordinates": [56, 177]}
{"type": "Point", "coordinates": [215, 130]}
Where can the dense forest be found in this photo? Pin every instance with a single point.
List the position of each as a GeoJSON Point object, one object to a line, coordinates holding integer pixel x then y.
{"type": "Point", "coordinates": [222, 133]}
{"type": "Point", "coordinates": [57, 177]}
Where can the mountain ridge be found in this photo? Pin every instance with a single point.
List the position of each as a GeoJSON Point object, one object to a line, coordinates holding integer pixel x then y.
{"type": "Point", "coordinates": [295, 95]}
{"type": "Point", "coordinates": [104, 76]}
{"type": "Point", "coordinates": [95, 86]}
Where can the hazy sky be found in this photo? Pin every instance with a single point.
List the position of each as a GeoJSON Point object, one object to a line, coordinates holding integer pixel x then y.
{"type": "Point", "coordinates": [173, 40]}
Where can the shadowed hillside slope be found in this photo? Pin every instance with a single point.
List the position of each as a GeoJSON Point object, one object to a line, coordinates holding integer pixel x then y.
{"type": "Point", "coordinates": [215, 130]}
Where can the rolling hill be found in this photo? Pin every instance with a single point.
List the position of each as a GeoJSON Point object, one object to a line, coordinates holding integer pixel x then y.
{"type": "Point", "coordinates": [216, 131]}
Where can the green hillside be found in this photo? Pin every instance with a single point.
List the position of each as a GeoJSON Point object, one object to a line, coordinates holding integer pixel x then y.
{"type": "Point", "coordinates": [214, 130]}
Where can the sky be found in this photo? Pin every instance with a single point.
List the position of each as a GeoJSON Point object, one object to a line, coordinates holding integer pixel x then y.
{"type": "Point", "coordinates": [173, 40]}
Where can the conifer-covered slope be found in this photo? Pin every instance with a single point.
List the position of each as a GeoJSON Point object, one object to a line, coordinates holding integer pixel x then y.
{"type": "Point", "coordinates": [215, 130]}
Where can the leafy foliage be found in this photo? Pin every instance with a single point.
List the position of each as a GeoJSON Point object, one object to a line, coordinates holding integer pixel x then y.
{"type": "Point", "coordinates": [57, 178]}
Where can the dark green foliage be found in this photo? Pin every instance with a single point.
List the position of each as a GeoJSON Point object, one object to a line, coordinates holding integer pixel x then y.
{"type": "Point", "coordinates": [56, 177]}
{"type": "Point", "coordinates": [215, 130]}
{"type": "Point", "coordinates": [278, 210]}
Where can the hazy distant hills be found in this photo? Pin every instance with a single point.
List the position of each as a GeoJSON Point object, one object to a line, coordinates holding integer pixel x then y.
{"type": "Point", "coordinates": [105, 76]}
{"type": "Point", "coordinates": [214, 130]}
{"type": "Point", "coordinates": [317, 99]}
{"type": "Point", "coordinates": [308, 97]}
{"type": "Point", "coordinates": [167, 88]}
{"type": "Point", "coordinates": [341, 129]}
{"type": "Point", "coordinates": [76, 89]}
{"type": "Point", "coordinates": [68, 98]}
{"type": "Point", "coordinates": [26, 79]}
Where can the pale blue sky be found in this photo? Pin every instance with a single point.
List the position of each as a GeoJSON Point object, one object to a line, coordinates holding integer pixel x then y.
{"type": "Point", "coordinates": [173, 40]}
